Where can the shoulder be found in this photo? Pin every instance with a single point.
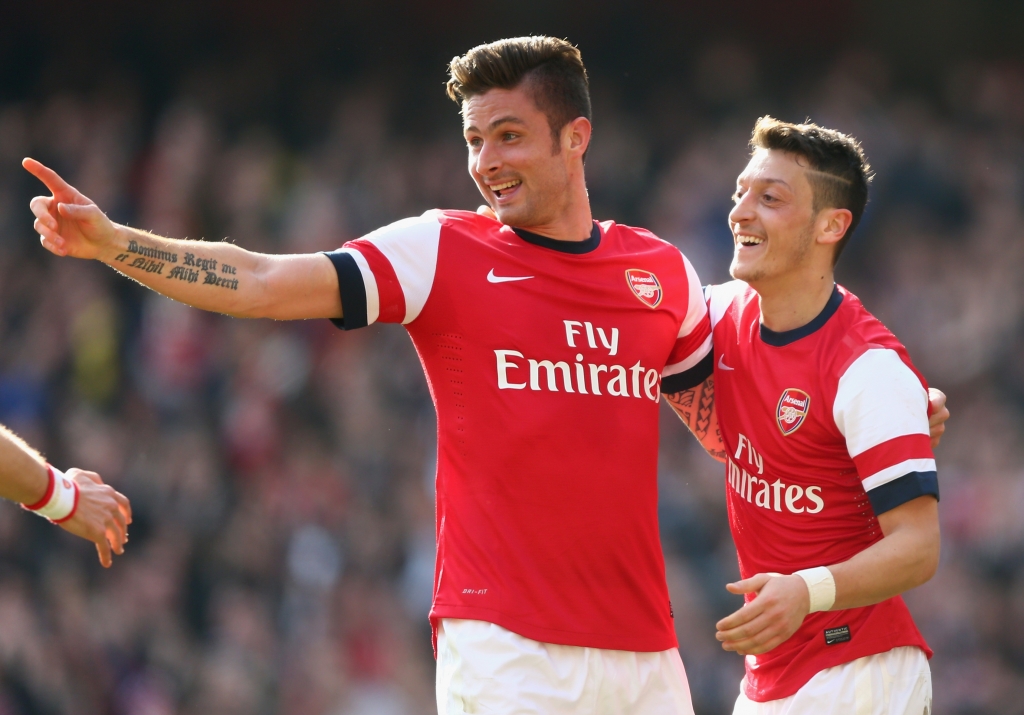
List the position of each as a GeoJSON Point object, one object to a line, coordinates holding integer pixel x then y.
{"type": "Point", "coordinates": [634, 238]}
{"type": "Point", "coordinates": [431, 224]}
{"type": "Point", "coordinates": [725, 296]}
{"type": "Point", "coordinates": [862, 333]}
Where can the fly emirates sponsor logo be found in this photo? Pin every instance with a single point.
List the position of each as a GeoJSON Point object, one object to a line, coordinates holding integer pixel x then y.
{"type": "Point", "coordinates": [777, 495]}
{"type": "Point", "coordinates": [583, 376]}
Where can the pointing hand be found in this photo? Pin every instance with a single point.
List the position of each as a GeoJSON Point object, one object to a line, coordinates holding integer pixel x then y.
{"type": "Point", "coordinates": [68, 223]}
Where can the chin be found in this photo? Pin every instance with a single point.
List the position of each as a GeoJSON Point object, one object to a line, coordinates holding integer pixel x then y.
{"type": "Point", "coordinates": [745, 273]}
{"type": "Point", "coordinates": [514, 215]}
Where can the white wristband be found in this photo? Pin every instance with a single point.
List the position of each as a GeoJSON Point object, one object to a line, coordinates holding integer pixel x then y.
{"type": "Point", "coordinates": [821, 586]}
{"type": "Point", "coordinates": [61, 498]}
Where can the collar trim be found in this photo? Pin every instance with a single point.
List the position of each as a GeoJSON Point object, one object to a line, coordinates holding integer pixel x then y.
{"type": "Point", "coordinates": [576, 247]}
{"type": "Point", "coordinates": [781, 339]}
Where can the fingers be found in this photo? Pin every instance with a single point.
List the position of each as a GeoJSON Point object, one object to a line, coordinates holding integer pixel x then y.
{"type": "Point", "coordinates": [737, 619]}
{"type": "Point", "coordinates": [43, 207]}
{"type": "Point", "coordinates": [125, 507]}
{"type": "Point", "coordinates": [48, 176]}
{"type": "Point", "coordinates": [487, 211]}
{"type": "Point", "coordinates": [749, 585]}
{"type": "Point", "coordinates": [104, 553]}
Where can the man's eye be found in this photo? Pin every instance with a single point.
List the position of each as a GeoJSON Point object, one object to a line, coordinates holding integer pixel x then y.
{"type": "Point", "coordinates": [474, 142]}
{"type": "Point", "coordinates": [509, 136]}
{"type": "Point", "coordinates": [737, 196]}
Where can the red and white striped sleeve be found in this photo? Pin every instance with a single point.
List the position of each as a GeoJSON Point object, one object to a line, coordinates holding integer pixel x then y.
{"type": "Point", "coordinates": [881, 408]}
{"type": "Point", "coordinates": [386, 276]}
{"type": "Point", "coordinates": [691, 360]}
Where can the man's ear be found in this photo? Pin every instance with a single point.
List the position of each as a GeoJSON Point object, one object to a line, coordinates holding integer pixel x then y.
{"type": "Point", "coordinates": [576, 136]}
{"type": "Point", "coordinates": [833, 225]}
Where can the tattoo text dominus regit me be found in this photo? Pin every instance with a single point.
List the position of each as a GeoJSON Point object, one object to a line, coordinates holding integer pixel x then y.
{"type": "Point", "coordinates": [153, 260]}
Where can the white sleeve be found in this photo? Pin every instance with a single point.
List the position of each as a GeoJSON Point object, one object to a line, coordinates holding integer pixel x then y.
{"type": "Point", "coordinates": [881, 408]}
{"type": "Point", "coordinates": [387, 275]}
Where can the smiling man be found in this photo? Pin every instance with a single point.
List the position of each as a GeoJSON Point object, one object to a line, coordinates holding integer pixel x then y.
{"type": "Point", "coordinates": [546, 338]}
{"type": "Point", "coordinates": [830, 480]}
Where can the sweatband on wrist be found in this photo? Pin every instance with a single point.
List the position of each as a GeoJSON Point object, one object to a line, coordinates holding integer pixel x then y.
{"type": "Point", "coordinates": [822, 587]}
{"type": "Point", "coordinates": [60, 500]}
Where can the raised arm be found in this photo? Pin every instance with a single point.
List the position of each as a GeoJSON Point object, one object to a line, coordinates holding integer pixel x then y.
{"type": "Point", "coordinates": [696, 408]}
{"type": "Point", "coordinates": [219, 277]}
{"type": "Point", "coordinates": [78, 502]}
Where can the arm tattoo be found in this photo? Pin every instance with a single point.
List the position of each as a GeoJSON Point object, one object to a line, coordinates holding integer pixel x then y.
{"type": "Point", "coordinates": [192, 268]}
{"type": "Point", "coordinates": [695, 407]}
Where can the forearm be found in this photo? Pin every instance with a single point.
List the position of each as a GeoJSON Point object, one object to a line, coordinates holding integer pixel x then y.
{"type": "Point", "coordinates": [23, 476]}
{"type": "Point", "coordinates": [219, 277]}
{"type": "Point", "coordinates": [696, 408]}
{"type": "Point", "coordinates": [904, 559]}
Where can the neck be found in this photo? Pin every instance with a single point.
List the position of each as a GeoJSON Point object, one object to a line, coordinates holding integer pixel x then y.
{"type": "Point", "coordinates": [574, 221]}
{"type": "Point", "coordinates": [790, 302]}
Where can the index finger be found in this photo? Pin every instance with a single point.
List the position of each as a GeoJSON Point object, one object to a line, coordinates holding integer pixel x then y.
{"type": "Point", "coordinates": [48, 176]}
{"type": "Point", "coordinates": [124, 505]}
{"type": "Point", "coordinates": [749, 612]}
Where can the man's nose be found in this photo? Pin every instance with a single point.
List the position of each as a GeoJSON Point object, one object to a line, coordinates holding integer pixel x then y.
{"type": "Point", "coordinates": [488, 159]}
{"type": "Point", "coordinates": [742, 211]}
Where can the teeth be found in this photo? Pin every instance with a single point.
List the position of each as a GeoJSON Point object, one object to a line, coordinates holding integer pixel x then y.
{"type": "Point", "coordinates": [507, 185]}
{"type": "Point", "coordinates": [751, 241]}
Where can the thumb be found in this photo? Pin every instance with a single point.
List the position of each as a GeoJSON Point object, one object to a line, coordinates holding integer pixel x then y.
{"type": "Point", "coordinates": [487, 211]}
{"type": "Point", "coordinates": [749, 585]}
{"type": "Point", "coordinates": [78, 212]}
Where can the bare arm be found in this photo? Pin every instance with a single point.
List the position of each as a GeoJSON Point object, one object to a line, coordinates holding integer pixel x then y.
{"type": "Point", "coordinates": [696, 408]}
{"type": "Point", "coordinates": [906, 557]}
{"type": "Point", "coordinates": [219, 277]}
{"type": "Point", "coordinates": [23, 476]}
{"type": "Point", "coordinates": [101, 514]}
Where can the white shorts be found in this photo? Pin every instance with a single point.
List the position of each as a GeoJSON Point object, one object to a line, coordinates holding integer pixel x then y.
{"type": "Point", "coordinates": [897, 682]}
{"type": "Point", "coordinates": [484, 668]}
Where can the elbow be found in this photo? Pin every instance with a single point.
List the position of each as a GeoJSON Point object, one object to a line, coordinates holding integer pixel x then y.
{"type": "Point", "coordinates": [930, 564]}
{"type": "Point", "coordinates": [928, 560]}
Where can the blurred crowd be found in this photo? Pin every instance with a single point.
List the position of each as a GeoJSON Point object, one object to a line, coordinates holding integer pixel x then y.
{"type": "Point", "coordinates": [281, 474]}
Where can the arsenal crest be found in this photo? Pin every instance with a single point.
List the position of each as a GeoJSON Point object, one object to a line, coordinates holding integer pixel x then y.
{"type": "Point", "coordinates": [645, 286]}
{"type": "Point", "coordinates": [792, 410]}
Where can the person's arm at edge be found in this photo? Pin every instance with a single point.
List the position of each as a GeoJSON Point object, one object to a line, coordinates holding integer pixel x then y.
{"type": "Point", "coordinates": [101, 515]}
{"type": "Point", "coordinates": [905, 558]}
{"type": "Point", "coordinates": [218, 277]}
{"type": "Point", "coordinates": [696, 408]}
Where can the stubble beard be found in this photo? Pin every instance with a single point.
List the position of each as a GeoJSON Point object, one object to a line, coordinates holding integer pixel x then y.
{"type": "Point", "coordinates": [773, 265]}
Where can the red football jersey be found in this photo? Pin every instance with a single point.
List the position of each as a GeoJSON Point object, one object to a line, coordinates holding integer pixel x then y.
{"type": "Point", "coordinates": [544, 360]}
{"type": "Point", "coordinates": [825, 427]}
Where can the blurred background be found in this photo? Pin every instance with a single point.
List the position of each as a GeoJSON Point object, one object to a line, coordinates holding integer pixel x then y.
{"type": "Point", "coordinates": [282, 474]}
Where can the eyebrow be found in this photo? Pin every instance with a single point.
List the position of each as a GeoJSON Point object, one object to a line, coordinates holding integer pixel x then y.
{"type": "Point", "coordinates": [773, 181]}
{"type": "Point", "coordinates": [510, 119]}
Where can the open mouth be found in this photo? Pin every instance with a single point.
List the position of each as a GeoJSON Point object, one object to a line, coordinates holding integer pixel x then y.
{"type": "Point", "coordinates": [506, 189]}
{"type": "Point", "coordinates": [749, 241]}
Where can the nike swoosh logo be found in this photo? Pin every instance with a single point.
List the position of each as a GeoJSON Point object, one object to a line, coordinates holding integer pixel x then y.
{"type": "Point", "coordinates": [491, 278]}
{"type": "Point", "coordinates": [722, 365]}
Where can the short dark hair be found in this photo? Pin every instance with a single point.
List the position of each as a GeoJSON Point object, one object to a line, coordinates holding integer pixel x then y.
{"type": "Point", "coordinates": [840, 172]}
{"type": "Point", "coordinates": [554, 68]}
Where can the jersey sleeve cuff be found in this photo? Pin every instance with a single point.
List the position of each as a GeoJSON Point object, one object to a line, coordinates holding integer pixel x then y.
{"type": "Point", "coordinates": [689, 378]}
{"type": "Point", "coordinates": [353, 291]}
{"type": "Point", "coordinates": [899, 491]}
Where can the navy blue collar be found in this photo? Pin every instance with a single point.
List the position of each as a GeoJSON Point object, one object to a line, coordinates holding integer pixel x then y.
{"type": "Point", "coordinates": [585, 246]}
{"type": "Point", "coordinates": [786, 337]}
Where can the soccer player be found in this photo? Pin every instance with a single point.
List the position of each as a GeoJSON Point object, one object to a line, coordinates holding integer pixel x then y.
{"type": "Point", "coordinates": [830, 479]}
{"type": "Point", "coordinates": [544, 337]}
{"type": "Point", "coordinates": [79, 501]}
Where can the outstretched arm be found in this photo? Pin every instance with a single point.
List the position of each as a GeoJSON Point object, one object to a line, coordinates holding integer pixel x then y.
{"type": "Point", "coordinates": [905, 558]}
{"type": "Point", "coordinates": [219, 277]}
{"type": "Point", "coordinates": [696, 408]}
{"type": "Point", "coordinates": [90, 509]}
